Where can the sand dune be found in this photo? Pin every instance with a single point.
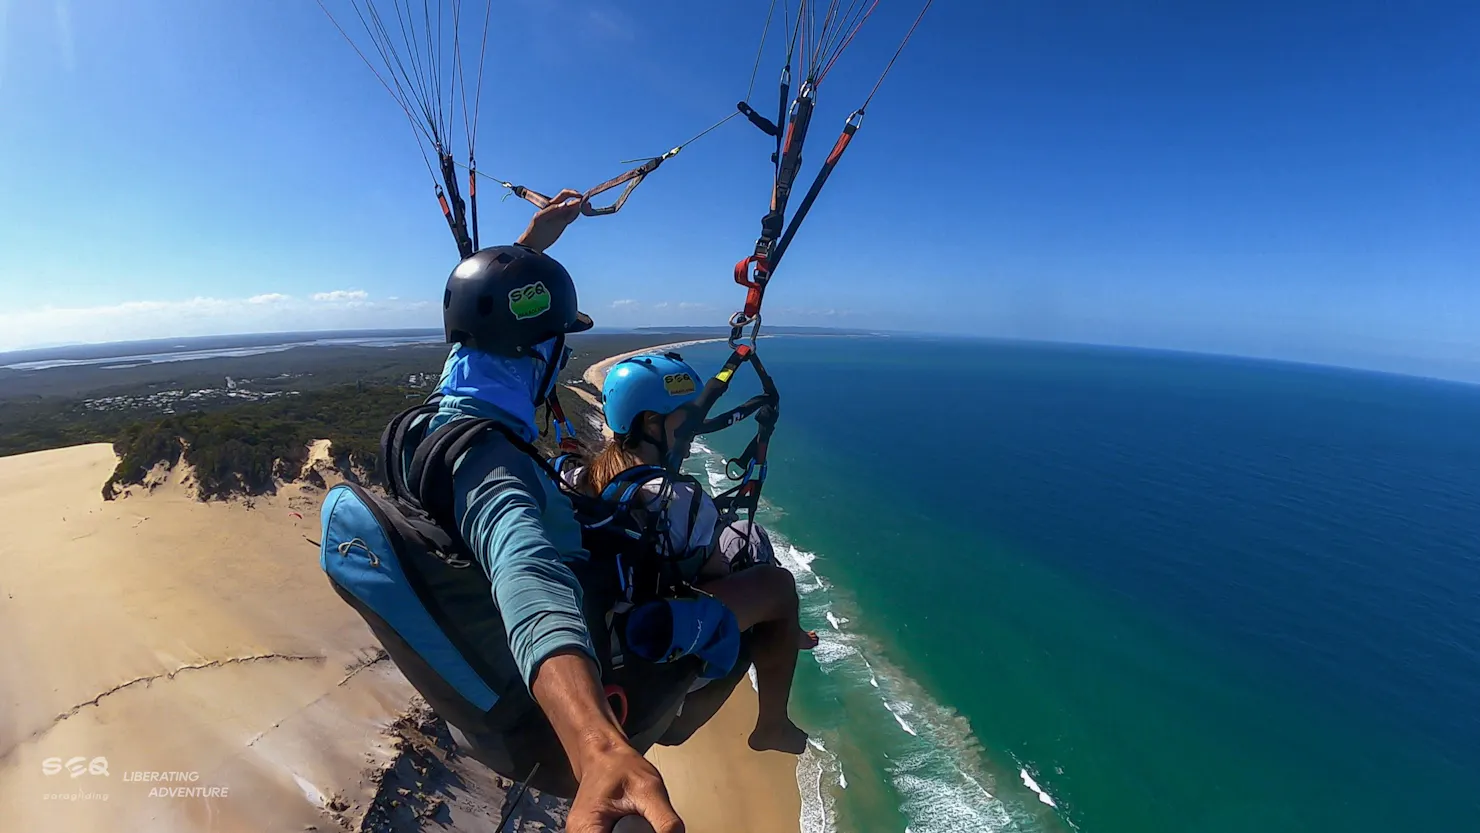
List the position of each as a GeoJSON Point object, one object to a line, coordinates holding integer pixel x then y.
{"type": "Point", "coordinates": [166, 635]}
{"type": "Point", "coordinates": [155, 637]}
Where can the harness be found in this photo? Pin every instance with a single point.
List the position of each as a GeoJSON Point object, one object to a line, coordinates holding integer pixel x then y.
{"type": "Point", "coordinates": [615, 526]}
{"type": "Point", "coordinates": [747, 470]}
{"type": "Point", "coordinates": [626, 496]}
{"type": "Point", "coordinates": [630, 565]}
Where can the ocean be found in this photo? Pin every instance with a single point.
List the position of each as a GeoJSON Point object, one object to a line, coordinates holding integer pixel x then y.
{"type": "Point", "coordinates": [1119, 591]}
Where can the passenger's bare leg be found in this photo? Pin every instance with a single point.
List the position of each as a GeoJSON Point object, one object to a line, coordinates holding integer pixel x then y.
{"type": "Point", "coordinates": [765, 598]}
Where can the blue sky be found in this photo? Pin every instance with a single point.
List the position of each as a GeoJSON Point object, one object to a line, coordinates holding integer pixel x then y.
{"type": "Point", "coordinates": [1295, 180]}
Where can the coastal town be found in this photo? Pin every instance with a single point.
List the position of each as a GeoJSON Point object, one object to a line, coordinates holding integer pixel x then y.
{"type": "Point", "coordinates": [173, 401]}
{"type": "Point", "coordinates": [232, 391]}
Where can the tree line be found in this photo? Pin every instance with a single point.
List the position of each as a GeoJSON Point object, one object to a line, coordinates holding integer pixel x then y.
{"type": "Point", "coordinates": [247, 449]}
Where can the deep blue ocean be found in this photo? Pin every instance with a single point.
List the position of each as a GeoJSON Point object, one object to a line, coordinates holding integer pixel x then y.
{"type": "Point", "coordinates": [1112, 590]}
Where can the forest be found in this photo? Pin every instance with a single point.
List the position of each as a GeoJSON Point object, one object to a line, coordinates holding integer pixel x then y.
{"type": "Point", "coordinates": [245, 450]}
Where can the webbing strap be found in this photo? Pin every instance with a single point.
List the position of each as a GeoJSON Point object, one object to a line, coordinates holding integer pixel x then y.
{"type": "Point", "coordinates": [765, 407]}
{"type": "Point", "coordinates": [473, 196]}
{"type": "Point", "coordinates": [631, 179]}
{"type": "Point", "coordinates": [622, 487]}
{"type": "Point", "coordinates": [565, 433]}
{"type": "Point", "coordinates": [393, 444]}
{"type": "Point", "coordinates": [559, 462]}
{"type": "Point", "coordinates": [850, 127]}
{"type": "Point", "coordinates": [755, 271]}
{"type": "Point", "coordinates": [456, 211]}
{"type": "Point", "coordinates": [430, 481]}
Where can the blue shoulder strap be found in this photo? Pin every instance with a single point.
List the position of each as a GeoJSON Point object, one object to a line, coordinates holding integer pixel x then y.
{"type": "Point", "coordinates": [558, 462]}
{"type": "Point", "coordinates": [624, 486]}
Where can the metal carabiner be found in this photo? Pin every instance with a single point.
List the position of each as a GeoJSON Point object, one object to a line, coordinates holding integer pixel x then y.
{"type": "Point", "coordinates": [738, 322]}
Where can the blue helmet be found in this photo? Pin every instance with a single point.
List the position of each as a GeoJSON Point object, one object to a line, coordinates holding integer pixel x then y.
{"type": "Point", "coordinates": [658, 383]}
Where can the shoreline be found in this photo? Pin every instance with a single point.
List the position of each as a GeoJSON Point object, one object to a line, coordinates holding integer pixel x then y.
{"type": "Point", "coordinates": [596, 373]}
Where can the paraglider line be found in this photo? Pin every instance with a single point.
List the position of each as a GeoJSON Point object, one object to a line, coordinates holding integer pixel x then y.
{"type": "Point", "coordinates": [890, 65]}
{"type": "Point", "coordinates": [478, 92]}
{"type": "Point", "coordinates": [759, 50]}
{"type": "Point", "coordinates": [459, 81]}
{"type": "Point", "coordinates": [855, 24]}
{"type": "Point", "coordinates": [701, 134]}
{"type": "Point", "coordinates": [381, 37]}
{"type": "Point", "coordinates": [416, 131]}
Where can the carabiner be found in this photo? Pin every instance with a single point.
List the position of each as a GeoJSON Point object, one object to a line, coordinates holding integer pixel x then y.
{"type": "Point", "coordinates": [738, 322]}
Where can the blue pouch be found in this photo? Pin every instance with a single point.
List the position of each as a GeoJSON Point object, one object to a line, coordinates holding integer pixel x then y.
{"type": "Point", "coordinates": [665, 630]}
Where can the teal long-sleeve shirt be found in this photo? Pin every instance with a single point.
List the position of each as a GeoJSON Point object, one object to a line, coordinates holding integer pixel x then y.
{"type": "Point", "coordinates": [524, 533]}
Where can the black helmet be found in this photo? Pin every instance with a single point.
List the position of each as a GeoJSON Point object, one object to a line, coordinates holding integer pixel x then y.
{"type": "Point", "coordinates": [507, 299]}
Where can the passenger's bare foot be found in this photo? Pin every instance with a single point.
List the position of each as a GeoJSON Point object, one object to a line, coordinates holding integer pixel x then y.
{"type": "Point", "coordinates": [806, 640]}
{"type": "Point", "coordinates": [783, 738]}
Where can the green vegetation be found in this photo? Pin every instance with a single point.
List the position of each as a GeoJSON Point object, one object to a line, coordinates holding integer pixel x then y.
{"type": "Point", "coordinates": [242, 438]}
{"type": "Point", "coordinates": [244, 450]}
{"type": "Point", "coordinates": [26, 428]}
{"type": "Point", "coordinates": [300, 368]}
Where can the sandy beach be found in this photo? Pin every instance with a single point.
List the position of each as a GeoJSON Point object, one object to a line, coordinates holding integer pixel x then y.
{"type": "Point", "coordinates": [596, 373]}
{"type": "Point", "coordinates": [172, 665]}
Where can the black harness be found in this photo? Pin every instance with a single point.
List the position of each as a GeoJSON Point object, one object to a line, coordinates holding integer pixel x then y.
{"type": "Point", "coordinates": [630, 564]}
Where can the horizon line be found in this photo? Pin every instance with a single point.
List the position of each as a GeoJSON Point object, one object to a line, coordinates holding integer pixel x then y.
{"type": "Point", "coordinates": [856, 331]}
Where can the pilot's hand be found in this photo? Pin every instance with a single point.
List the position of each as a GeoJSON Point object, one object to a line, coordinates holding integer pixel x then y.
{"type": "Point", "coordinates": [617, 782]}
{"type": "Point", "coordinates": [551, 221]}
{"type": "Point", "coordinates": [614, 780]}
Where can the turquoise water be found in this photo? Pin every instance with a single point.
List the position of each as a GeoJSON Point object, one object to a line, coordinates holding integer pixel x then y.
{"type": "Point", "coordinates": [1107, 590]}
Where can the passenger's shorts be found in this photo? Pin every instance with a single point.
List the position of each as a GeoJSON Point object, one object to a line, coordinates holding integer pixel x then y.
{"type": "Point", "coordinates": [741, 538]}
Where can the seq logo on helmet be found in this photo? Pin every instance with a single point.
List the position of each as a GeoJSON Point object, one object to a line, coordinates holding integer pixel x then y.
{"type": "Point", "coordinates": [679, 384]}
{"type": "Point", "coordinates": [530, 300]}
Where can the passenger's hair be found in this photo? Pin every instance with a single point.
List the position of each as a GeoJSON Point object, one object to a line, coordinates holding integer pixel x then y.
{"type": "Point", "coordinates": [618, 455]}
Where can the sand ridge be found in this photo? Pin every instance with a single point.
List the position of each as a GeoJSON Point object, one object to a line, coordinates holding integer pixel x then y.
{"type": "Point", "coordinates": [157, 637]}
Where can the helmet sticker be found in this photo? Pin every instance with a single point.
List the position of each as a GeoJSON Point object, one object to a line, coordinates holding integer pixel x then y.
{"type": "Point", "coordinates": [530, 300]}
{"type": "Point", "coordinates": [679, 384]}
